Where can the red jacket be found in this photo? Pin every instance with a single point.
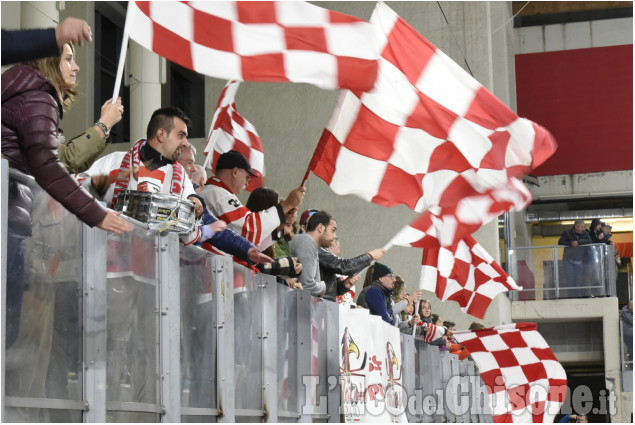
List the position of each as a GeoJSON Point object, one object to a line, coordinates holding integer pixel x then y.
{"type": "Point", "coordinates": [31, 110]}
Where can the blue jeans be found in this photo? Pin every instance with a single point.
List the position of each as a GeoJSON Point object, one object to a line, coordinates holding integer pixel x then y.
{"type": "Point", "coordinates": [573, 274]}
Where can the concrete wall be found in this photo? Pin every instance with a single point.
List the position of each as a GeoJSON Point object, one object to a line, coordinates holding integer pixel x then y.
{"type": "Point", "coordinates": [575, 35]}
{"type": "Point", "coordinates": [577, 186]}
{"type": "Point", "coordinates": [82, 113]}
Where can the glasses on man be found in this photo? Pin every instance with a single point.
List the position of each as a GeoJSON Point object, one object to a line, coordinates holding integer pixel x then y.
{"type": "Point", "coordinates": [247, 173]}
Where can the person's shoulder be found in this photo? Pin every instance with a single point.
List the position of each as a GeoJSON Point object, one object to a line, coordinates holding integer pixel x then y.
{"type": "Point", "coordinates": [21, 79]}
{"type": "Point", "coordinates": [375, 290]}
{"type": "Point", "coordinates": [301, 239]}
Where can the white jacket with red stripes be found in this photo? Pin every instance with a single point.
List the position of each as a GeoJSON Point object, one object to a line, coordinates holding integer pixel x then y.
{"type": "Point", "coordinates": [257, 227]}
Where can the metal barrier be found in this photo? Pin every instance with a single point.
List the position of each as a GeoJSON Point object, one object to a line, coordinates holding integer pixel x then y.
{"type": "Point", "coordinates": [138, 328]}
{"type": "Point", "coordinates": [626, 356]}
{"type": "Point", "coordinates": [551, 272]}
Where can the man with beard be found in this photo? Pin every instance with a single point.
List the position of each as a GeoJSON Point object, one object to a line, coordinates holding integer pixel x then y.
{"type": "Point", "coordinates": [156, 170]}
{"type": "Point", "coordinates": [320, 232]}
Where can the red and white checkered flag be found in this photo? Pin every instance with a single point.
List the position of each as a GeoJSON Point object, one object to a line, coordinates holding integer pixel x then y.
{"type": "Point", "coordinates": [288, 41]}
{"type": "Point", "coordinates": [428, 134]}
{"type": "Point", "coordinates": [524, 380]}
{"type": "Point", "coordinates": [464, 273]}
{"type": "Point", "coordinates": [449, 225]}
{"type": "Point", "coordinates": [229, 130]}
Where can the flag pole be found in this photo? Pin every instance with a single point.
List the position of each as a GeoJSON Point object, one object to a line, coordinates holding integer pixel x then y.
{"type": "Point", "coordinates": [306, 177]}
{"type": "Point", "coordinates": [414, 327]}
{"type": "Point", "coordinates": [122, 57]}
{"type": "Point", "coordinates": [386, 247]}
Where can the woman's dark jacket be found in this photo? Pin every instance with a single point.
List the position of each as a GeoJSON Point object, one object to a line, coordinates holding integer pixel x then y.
{"type": "Point", "coordinates": [31, 111]}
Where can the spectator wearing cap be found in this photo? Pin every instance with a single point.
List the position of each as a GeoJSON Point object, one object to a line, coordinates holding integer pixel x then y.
{"type": "Point", "coordinates": [321, 231]}
{"type": "Point", "coordinates": [221, 195]}
{"type": "Point", "coordinates": [377, 295]}
{"type": "Point", "coordinates": [306, 215]}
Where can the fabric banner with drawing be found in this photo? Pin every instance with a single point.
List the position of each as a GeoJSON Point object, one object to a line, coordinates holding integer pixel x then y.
{"type": "Point", "coordinates": [370, 368]}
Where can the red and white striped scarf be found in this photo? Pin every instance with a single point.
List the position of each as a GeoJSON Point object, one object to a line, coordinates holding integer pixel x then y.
{"type": "Point", "coordinates": [123, 178]}
{"type": "Point", "coordinates": [434, 332]}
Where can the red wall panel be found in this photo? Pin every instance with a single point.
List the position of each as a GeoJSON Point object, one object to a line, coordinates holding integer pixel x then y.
{"type": "Point", "coordinates": [584, 97]}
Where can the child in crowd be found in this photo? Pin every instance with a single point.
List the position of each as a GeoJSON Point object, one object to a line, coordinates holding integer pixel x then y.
{"type": "Point", "coordinates": [454, 346]}
{"type": "Point", "coordinates": [425, 312]}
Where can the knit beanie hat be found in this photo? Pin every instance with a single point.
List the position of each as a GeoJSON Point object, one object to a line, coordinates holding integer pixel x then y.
{"type": "Point", "coordinates": [381, 270]}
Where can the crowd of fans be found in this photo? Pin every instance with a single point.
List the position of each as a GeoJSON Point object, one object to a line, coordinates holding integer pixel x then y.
{"type": "Point", "coordinates": [265, 234]}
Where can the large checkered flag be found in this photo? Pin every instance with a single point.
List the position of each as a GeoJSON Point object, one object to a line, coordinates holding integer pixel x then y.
{"type": "Point", "coordinates": [430, 136]}
{"type": "Point", "coordinates": [524, 380]}
{"type": "Point", "coordinates": [427, 134]}
{"type": "Point", "coordinates": [287, 41]}
{"type": "Point", "coordinates": [230, 131]}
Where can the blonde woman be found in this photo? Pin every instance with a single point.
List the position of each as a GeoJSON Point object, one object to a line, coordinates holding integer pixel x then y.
{"type": "Point", "coordinates": [33, 96]}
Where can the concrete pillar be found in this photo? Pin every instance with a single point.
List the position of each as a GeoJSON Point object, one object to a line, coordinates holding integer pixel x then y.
{"type": "Point", "coordinates": [145, 88]}
{"type": "Point", "coordinates": [82, 113]}
{"type": "Point", "coordinates": [39, 14]}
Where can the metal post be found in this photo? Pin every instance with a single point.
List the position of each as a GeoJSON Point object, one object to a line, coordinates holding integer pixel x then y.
{"type": "Point", "coordinates": [304, 354]}
{"type": "Point", "coordinates": [507, 235]}
{"type": "Point", "coordinates": [94, 310]}
{"type": "Point", "coordinates": [556, 275]}
{"type": "Point", "coordinates": [224, 298]}
{"type": "Point", "coordinates": [408, 371]}
{"type": "Point", "coordinates": [269, 338]}
{"type": "Point", "coordinates": [450, 396]}
{"type": "Point", "coordinates": [464, 386]}
{"type": "Point", "coordinates": [611, 270]}
{"type": "Point", "coordinates": [4, 190]}
{"type": "Point", "coordinates": [430, 378]}
{"type": "Point", "coordinates": [169, 280]}
{"type": "Point", "coordinates": [333, 360]}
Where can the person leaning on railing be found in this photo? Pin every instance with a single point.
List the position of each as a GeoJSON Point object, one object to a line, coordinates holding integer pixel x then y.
{"type": "Point", "coordinates": [574, 256]}
{"type": "Point", "coordinates": [33, 95]}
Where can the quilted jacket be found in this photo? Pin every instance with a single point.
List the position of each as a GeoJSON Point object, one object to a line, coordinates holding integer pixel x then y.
{"type": "Point", "coordinates": [31, 111]}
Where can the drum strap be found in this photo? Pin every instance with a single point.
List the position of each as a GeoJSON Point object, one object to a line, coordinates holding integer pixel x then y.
{"type": "Point", "coordinates": [123, 180]}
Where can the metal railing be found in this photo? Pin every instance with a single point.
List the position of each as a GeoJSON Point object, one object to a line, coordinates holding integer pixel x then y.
{"type": "Point", "coordinates": [557, 272]}
{"type": "Point", "coordinates": [138, 328]}
{"type": "Point", "coordinates": [626, 356]}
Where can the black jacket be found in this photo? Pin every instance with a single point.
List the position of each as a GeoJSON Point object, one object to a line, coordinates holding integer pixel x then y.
{"type": "Point", "coordinates": [575, 253]}
{"type": "Point", "coordinates": [28, 44]}
{"type": "Point", "coordinates": [331, 264]}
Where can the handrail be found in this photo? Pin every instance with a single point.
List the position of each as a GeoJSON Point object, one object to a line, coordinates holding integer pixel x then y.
{"type": "Point", "coordinates": [553, 246]}
{"type": "Point", "coordinates": [595, 276]}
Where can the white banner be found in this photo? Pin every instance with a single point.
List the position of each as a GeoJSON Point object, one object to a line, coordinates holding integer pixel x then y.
{"type": "Point", "coordinates": [370, 368]}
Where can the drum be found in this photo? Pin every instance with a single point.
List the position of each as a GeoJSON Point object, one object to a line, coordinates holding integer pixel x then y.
{"type": "Point", "coordinates": [161, 211]}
